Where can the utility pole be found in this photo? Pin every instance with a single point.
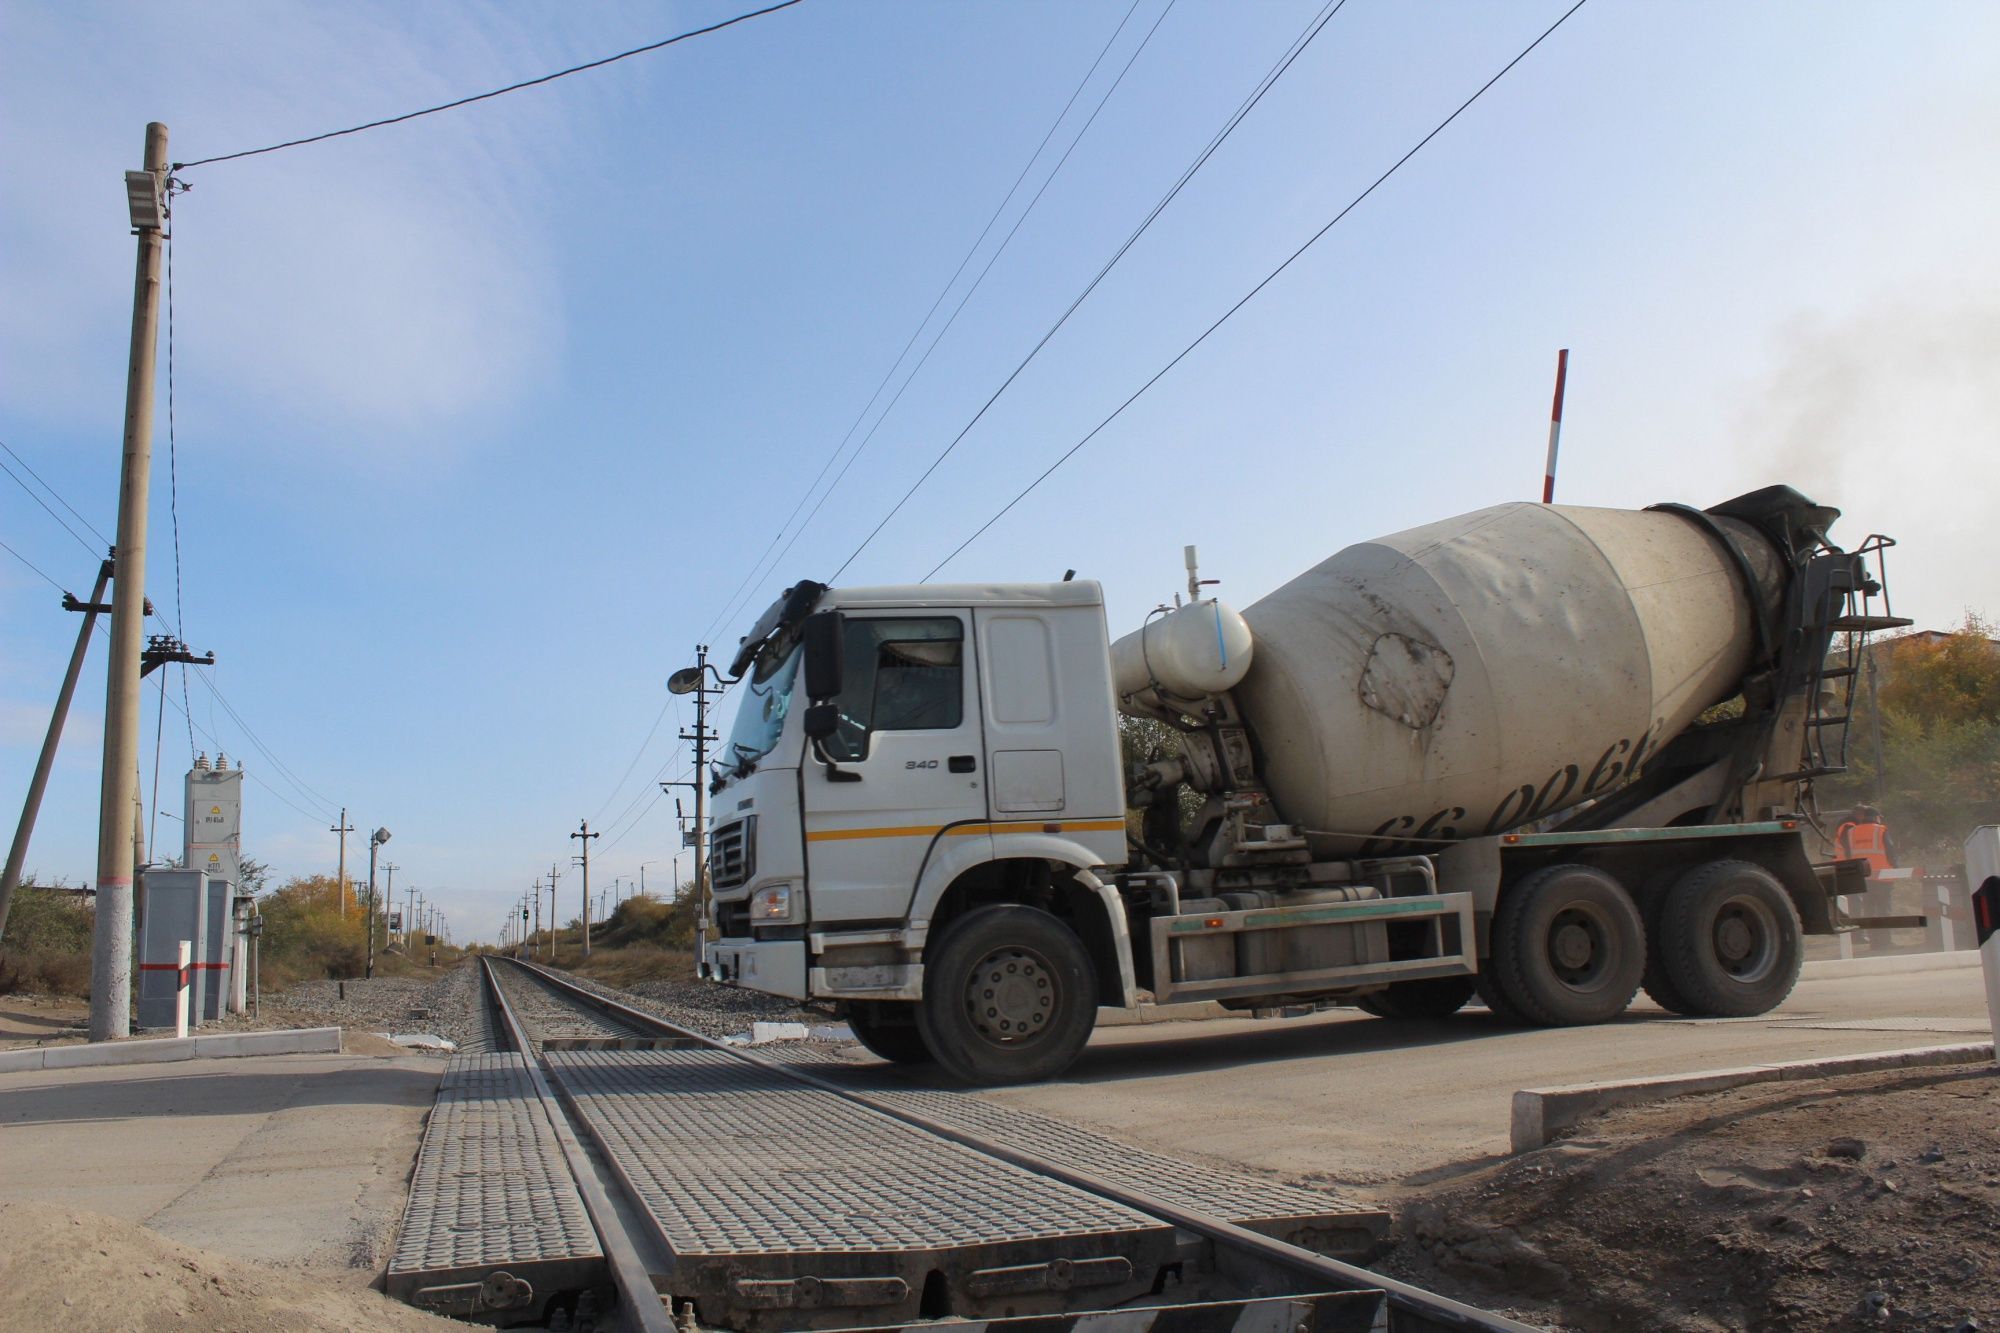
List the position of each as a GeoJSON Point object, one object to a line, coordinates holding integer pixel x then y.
{"type": "Point", "coordinates": [409, 913]}
{"type": "Point", "coordinates": [586, 835]}
{"type": "Point", "coordinates": [343, 828]}
{"type": "Point", "coordinates": [388, 899]}
{"type": "Point", "coordinates": [694, 680]}
{"type": "Point", "coordinates": [111, 938]}
{"type": "Point", "coordinates": [17, 854]}
{"type": "Point", "coordinates": [555, 931]}
{"type": "Point", "coordinates": [375, 841]}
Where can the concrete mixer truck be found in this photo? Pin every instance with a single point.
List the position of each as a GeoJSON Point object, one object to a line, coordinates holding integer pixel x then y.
{"type": "Point", "coordinates": [1540, 754]}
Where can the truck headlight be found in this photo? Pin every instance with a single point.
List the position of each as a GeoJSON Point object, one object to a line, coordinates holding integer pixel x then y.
{"type": "Point", "coordinates": [772, 904]}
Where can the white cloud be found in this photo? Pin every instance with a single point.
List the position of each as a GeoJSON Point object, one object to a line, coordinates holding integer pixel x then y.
{"type": "Point", "coordinates": [358, 293]}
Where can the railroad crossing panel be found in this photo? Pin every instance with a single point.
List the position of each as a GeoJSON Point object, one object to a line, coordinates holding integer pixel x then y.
{"type": "Point", "coordinates": [494, 1226]}
{"type": "Point", "coordinates": [786, 1207]}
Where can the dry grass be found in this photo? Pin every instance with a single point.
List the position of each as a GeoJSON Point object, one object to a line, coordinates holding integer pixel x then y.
{"type": "Point", "coordinates": [47, 948]}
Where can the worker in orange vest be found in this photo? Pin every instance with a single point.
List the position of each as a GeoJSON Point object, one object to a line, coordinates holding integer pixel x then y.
{"type": "Point", "coordinates": [1866, 837]}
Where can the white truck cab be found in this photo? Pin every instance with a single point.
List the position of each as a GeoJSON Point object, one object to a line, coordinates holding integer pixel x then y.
{"type": "Point", "coordinates": [967, 755]}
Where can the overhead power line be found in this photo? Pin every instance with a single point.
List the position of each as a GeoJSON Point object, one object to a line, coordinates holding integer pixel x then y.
{"type": "Point", "coordinates": [250, 773]}
{"type": "Point", "coordinates": [53, 491]}
{"type": "Point", "coordinates": [95, 552]}
{"type": "Point", "coordinates": [1252, 293]}
{"type": "Point", "coordinates": [307, 792]}
{"type": "Point", "coordinates": [943, 292]}
{"type": "Point", "coordinates": [497, 92]}
{"type": "Point", "coordinates": [37, 568]}
{"type": "Point", "coordinates": [1264, 85]}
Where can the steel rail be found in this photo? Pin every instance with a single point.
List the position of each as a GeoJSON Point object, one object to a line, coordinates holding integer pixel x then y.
{"type": "Point", "coordinates": [640, 1304]}
{"type": "Point", "coordinates": [1428, 1306]}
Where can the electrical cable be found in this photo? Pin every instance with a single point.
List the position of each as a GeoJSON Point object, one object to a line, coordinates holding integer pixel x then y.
{"type": "Point", "coordinates": [1251, 294]}
{"type": "Point", "coordinates": [37, 568]}
{"type": "Point", "coordinates": [943, 292]}
{"type": "Point", "coordinates": [250, 773]}
{"type": "Point", "coordinates": [497, 92]}
{"type": "Point", "coordinates": [636, 756]}
{"type": "Point", "coordinates": [94, 552]}
{"type": "Point", "coordinates": [1297, 48]}
{"type": "Point", "coordinates": [174, 488]}
{"type": "Point", "coordinates": [264, 749]}
{"type": "Point", "coordinates": [52, 491]}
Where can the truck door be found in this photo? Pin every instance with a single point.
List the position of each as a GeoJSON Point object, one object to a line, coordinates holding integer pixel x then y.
{"type": "Point", "coordinates": [910, 734]}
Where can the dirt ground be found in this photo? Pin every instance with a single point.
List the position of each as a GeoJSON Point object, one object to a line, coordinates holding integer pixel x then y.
{"type": "Point", "coordinates": [41, 1020]}
{"type": "Point", "coordinates": [1870, 1202]}
{"type": "Point", "coordinates": [61, 1268]}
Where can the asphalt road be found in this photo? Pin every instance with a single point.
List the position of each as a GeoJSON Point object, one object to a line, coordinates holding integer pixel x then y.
{"type": "Point", "coordinates": [1346, 1099]}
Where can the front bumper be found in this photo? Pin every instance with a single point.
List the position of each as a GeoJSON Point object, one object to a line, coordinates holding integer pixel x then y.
{"type": "Point", "coordinates": [774, 966]}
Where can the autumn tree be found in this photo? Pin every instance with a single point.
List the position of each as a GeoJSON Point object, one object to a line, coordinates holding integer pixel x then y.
{"type": "Point", "coordinates": [1938, 698]}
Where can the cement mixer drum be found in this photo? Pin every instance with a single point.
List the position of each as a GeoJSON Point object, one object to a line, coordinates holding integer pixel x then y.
{"type": "Point", "coordinates": [1471, 675]}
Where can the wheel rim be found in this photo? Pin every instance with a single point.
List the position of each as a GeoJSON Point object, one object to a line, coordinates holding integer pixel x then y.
{"type": "Point", "coordinates": [1011, 995]}
{"type": "Point", "coordinates": [1744, 939]}
{"type": "Point", "coordinates": [1582, 947]}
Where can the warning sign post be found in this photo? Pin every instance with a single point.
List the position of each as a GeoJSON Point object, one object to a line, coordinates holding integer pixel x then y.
{"type": "Point", "coordinates": [1982, 877]}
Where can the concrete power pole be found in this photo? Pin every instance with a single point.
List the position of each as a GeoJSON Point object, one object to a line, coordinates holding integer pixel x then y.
{"type": "Point", "coordinates": [387, 900]}
{"type": "Point", "coordinates": [343, 828]}
{"type": "Point", "coordinates": [111, 940]}
{"type": "Point", "coordinates": [555, 930]}
{"type": "Point", "coordinates": [17, 854]}
{"type": "Point", "coordinates": [694, 680]}
{"type": "Point", "coordinates": [586, 835]}
{"type": "Point", "coordinates": [538, 914]}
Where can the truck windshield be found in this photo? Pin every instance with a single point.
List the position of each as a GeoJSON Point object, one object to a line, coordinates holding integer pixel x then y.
{"type": "Point", "coordinates": [760, 719]}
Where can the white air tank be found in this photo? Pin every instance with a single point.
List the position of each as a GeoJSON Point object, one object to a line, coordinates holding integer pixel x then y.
{"type": "Point", "coordinates": [1193, 650]}
{"type": "Point", "coordinates": [1467, 676]}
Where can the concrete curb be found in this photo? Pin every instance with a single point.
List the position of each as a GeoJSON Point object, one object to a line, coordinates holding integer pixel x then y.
{"type": "Point", "coordinates": [1897, 962]}
{"type": "Point", "coordinates": [298, 1041]}
{"type": "Point", "coordinates": [1540, 1112]}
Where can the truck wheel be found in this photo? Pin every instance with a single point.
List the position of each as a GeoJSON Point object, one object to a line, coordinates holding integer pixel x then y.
{"type": "Point", "coordinates": [1730, 939]}
{"type": "Point", "coordinates": [1009, 996]}
{"type": "Point", "coordinates": [1569, 946]}
{"type": "Point", "coordinates": [1429, 997]}
{"type": "Point", "coordinates": [1658, 985]}
{"type": "Point", "coordinates": [889, 1030]}
{"type": "Point", "coordinates": [1496, 1001]}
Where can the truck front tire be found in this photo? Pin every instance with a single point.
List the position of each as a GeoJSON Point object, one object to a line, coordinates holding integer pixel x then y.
{"type": "Point", "coordinates": [1730, 939]}
{"type": "Point", "coordinates": [889, 1030]}
{"type": "Point", "coordinates": [1009, 996]}
{"type": "Point", "coordinates": [1569, 946]}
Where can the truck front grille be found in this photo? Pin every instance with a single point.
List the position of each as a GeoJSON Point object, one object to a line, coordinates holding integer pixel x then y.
{"type": "Point", "coordinates": [732, 853]}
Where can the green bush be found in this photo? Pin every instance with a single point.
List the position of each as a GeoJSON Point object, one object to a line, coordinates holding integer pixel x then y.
{"type": "Point", "coordinates": [47, 946]}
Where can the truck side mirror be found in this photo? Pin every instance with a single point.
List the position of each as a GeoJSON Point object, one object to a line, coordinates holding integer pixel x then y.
{"type": "Point", "coordinates": [822, 636]}
{"type": "Point", "coordinates": [822, 720]}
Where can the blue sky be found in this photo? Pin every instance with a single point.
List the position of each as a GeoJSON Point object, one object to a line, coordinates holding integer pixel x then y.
{"type": "Point", "coordinates": [482, 419]}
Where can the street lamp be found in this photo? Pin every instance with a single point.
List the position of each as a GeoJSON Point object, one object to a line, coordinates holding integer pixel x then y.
{"type": "Point", "coordinates": [375, 841]}
{"type": "Point", "coordinates": [642, 875]}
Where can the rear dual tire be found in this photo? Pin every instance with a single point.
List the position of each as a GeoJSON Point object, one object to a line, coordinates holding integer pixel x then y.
{"type": "Point", "coordinates": [1568, 948]}
{"type": "Point", "coordinates": [1729, 943]}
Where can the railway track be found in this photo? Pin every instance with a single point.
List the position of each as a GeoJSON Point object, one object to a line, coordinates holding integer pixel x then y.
{"type": "Point", "coordinates": [602, 1167]}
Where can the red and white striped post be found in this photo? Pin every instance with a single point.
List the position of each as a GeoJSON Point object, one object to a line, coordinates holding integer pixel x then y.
{"type": "Point", "coordinates": [182, 980]}
{"type": "Point", "coordinates": [1555, 428]}
{"type": "Point", "coordinates": [1982, 877]}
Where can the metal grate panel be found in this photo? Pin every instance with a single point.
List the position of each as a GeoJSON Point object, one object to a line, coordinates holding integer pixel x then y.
{"type": "Point", "coordinates": [491, 1188]}
{"type": "Point", "coordinates": [734, 1160]}
{"type": "Point", "coordinates": [1317, 1220]}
